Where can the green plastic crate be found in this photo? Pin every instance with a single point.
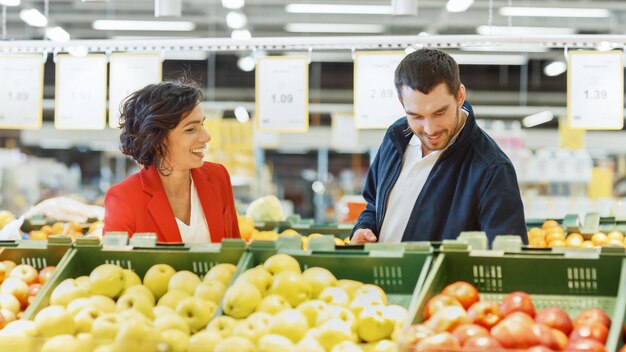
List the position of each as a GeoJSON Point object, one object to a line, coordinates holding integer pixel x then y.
{"type": "Point", "coordinates": [36, 257]}
{"type": "Point", "coordinates": [573, 284]}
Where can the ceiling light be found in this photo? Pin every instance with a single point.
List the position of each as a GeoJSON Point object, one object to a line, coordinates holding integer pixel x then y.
{"type": "Point", "coordinates": [553, 12]}
{"type": "Point", "coordinates": [404, 7]}
{"type": "Point", "coordinates": [121, 25]}
{"type": "Point", "coordinates": [476, 59]}
{"type": "Point", "coordinates": [168, 8]}
{"type": "Point", "coordinates": [334, 28]}
{"type": "Point", "coordinates": [246, 63]}
{"type": "Point", "coordinates": [57, 34]}
{"type": "Point", "coordinates": [517, 30]}
{"type": "Point", "coordinates": [537, 119]}
{"type": "Point", "coordinates": [339, 9]}
{"type": "Point", "coordinates": [233, 4]}
{"type": "Point", "coordinates": [458, 5]}
{"type": "Point", "coordinates": [241, 114]}
{"type": "Point", "coordinates": [236, 20]}
{"type": "Point", "coordinates": [10, 2]}
{"type": "Point", "coordinates": [554, 68]}
{"type": "Point", "coordinates": [240, 34]}
{"type": "Point", "coordinates": [33, 17]}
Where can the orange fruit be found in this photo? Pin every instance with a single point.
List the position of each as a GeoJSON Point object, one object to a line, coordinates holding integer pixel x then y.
{"type": "Point", "coordinates": [555, 235]}
{"type": "Point", "coordinates": [615, 235]}
{"type": "Point", "coordinates": [549, 223]}
{"type": "Point", "coordinates": [536, 233]}
{"type": "Point", "coordinates": [557, 243]}
{"type": "Point", "coordinates": [574, 240]}
{"type": "Point", "coordinates": [537, 243]}
{"type": "Point", "coordinates": [587, 244]}
{"type": "Point", "coordinates": [615, 242]}
{"type": "Point", "coordinates": [599, 238]}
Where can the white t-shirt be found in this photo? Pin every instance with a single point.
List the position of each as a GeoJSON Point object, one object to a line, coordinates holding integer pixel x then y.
{"type": "Point", "coordinates": [197, 231]}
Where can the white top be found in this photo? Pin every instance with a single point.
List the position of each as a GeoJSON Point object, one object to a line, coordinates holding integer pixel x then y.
{"type": "Point", "coordinates": [197, 231]}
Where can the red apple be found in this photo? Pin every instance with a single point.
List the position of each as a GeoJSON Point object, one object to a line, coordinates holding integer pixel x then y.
{"type": "Point", "coordinates": [561, 339]}
{"type": "Point", "coordinates": [545, 336]}
{"type": "Point", "coordinates": [593, 315]}
{"type": "Point", "coordinates": [438, 342]}
{"type": "Point", "coordinates": [590, 330]}
{"type": "Point", "coordinates": [485, 313]}
{"type": "Point", "coordinates": [17, 288]}
{"type": "Point", "coordinates": [482, 343]}
{"type": "Point", "coordinates": [585, 345]}
{"type": "Point", "coordinates": [515, 333]}
{"type": "Point", "coordinates": [46, 273]}
{"type": "Point", "coordinates": [25, 272]}
{"type": "Point", "coordinates": [463, 291]}
{"type": "Point", "coordinates": [447, 319]}
{"type": "Point", "coordinates": [437, 302]}
{"type": "Point", "coordinates": [466, 331]}
{"type": "Point", "coordinates": [414, 334]}
{"type": "Point", "coordinates": [555, 318]}
{"type": "Point", "coordinates": [33, 290]}
{"type": "Point", "coordinates": [517, 302]}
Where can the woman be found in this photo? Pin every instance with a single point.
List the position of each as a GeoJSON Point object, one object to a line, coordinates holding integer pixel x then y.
{"type": "Point", "coordinates": [175, 194]}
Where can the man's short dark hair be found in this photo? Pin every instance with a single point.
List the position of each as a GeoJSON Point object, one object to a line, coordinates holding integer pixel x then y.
{"type": "Point", "coordinates": [149, 114]}
{"type": "Point", "coordinates": [425, 69]}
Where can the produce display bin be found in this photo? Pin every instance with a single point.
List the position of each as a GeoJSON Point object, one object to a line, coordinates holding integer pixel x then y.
{"type": "Point", "coordinates": [553, 280]}
{"type": "Point", "coordinates": [39, 256]}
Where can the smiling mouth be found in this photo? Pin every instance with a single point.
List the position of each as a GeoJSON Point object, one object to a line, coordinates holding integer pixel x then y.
{"type": "Point", "coordinates": [199, 151]}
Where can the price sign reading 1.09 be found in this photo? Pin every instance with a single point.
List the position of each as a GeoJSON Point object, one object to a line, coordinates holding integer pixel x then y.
{"type": "Point", "coordinates": [595, 90]}
{"type": "Point", "coordinates": [21, 91]}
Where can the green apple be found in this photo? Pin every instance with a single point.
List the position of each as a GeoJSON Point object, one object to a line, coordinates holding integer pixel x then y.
{"type": "Point", "coordinates": [171, 321]}
{"type": "Point", "coordinates": [336, 312]}
{"type": "Point", "coordinates": [374, 325]}
{"type": "Point", "coordinates": [105, 327]}
{"type": "Point", "coordinates": [373, 290]}
{"type": "Point", "coordinates": [203, 341]}
{"type": "Point", "coordinates": [396, 313]}
{"type": "Point", "coordinates": [67, 291]}
{"type": "Point", "coordinates": [253, 327]}
{"type": "Point", "coordinates": [319, 278]}
{"type": "Point", "coordinates": [241, 300]}
{"type": "Point", "coordinates": [104, 303]}
{"type": "Point", "coordinates": [309, 344]}
{"type": "Point", "coordinates": [78, 304]}
{"type": "Point", "coordinates": [130, 278]}
{"type": "Point", "coordinates": [10, 302]}
{"type": "Point", "coordinates": [222, 272]}
{"type": "Point", "coordinates": [136, 301]}
{"type": "Point", "coordinates": [259, 277]}
{"type": "Point", "coordinates": [54, 320]}
{"type": "Point", "coordinates": [281, 262]}
{"type": "Point", "coordinates": [134, 336]}
{"type": "Point", "coordinates": [163, 311]}
{"type": "Point", "coordinates": [176, 340]}
{"type": "Point", "coordinates": [172, 298]}
{"type": "Point", "coordinates": [85, 317]}
{"type": "Point", "coordinates": [333, 332]}
{"type": "Point", "coordinates": [26, 327]}
{"type": "Point", "coordinates": [346, 346]}
{"type": "Point", "coordinates": [107, 280]}
{"type": "Point", "coordinates": [275, 343]}
{"type": "Point", "coordinates": [335, 295]}
{"type": "Point", "coordinates": [141, 289]}
{"type": "Point", "coordinates": [310, 310]}
{"type": "Point", "coordinates": [157, 279]}
{"type": "Point", "coordinates": [16, 287]}
{"type": "Point", "coordinates": [132, 315]}
{"type": "Point", "coordinates": [289, 323]}
{"type": "Point", "coordinates": [83, 281]}
{"type": "Point", "coordinates": [210, 291]}
{"type": "Point", "coordinates": [108, 348]}
{"type": "Point", "coordinates": [235, 343]}
{"type": "Point", "coordinates": [273, 304]}
{"type": "Point", "coordinates": [382, 346]}
{"type": "Point", "coordinates": [184, 280]}
{"type": "Point", "coordinates": [62, 343]}
{"type": "Point", "coordinates": [196, 312]}
{"type": "Point", "coordinates": [363, 301]}
{"type": "Point", "coordinates": [350, 286]}
{"type": "Point", "coordinates": [292, 287]}
{"type": "Point", "coordinates": [86, 341]}
{"type": "Point", "coordinates": [16, 342]}
{"type": "Point", "coordinates": [222, 325]}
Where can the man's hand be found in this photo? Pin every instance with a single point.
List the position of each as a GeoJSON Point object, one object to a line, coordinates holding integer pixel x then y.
{"type": "Point", "coordinates": [363, 236]}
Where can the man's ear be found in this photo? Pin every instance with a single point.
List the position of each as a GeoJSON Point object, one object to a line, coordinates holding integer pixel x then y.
{"type": "Point", "coordinates": [461, 95]}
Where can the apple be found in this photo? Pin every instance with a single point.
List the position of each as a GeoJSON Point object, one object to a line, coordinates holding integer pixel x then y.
{"type": "Point", "coordinates": [203, 341]}
{"type": "Point", "coordinates": [45, 274]}
{"type": "Point", "coordinates": [341, 313]}
{"type": "Point", "coordinates": [439, 301]}
{"type": "Point", "coordinates": [85, 317]}
{"type": "Point", "coordinates": [223, 325]}
{"type": "Point", "coordinates": [67, 291]}
{"type": "Point", "coordinates": [273, 304]}
{"type": "Point", "coordinates": [334, 295]}
{"type": "Point", "coordinates": [585, 345]}
{"type": "Point", "coordinates": [222, 272]}
{"type": "Point", "coordinates": [196, 312]}
{"type": "Point", "coordinates": [26, 327]}
{"type": "Point", "coordinates": [9, 264]}
{"type": "Point", "coordinates": [135, 301]}
{"type": "Point", "coordinates": [259, 277]}
{"type": "Point", "coordinates": [311, 309]}
{"type": "Point", "coordinates": [372, 290]}
{"type": "Point", "coordinates": [438, 342]}
{"type": "Point", "coordinates": [252, 329]}
{"type": "Point", "coordinates": [447, 319]}
{"type": "Point", "coordinates": [33, 291]}
{"type": "Point", "coordinates": [104, 303]}
{"type": "Point", "coordinates": [15, 342]}
{"type": "Point", "coordinates": [83, 281]}
{"type": "Point", "coordinates": [7, 316]}
{"type": "Point", "coordinates": [54, 320]}
{"type": "Point", "coordinates": [346, 346]}
{"type": "Point", "coordinates": [396, 312]}
{"type": "Point", "coordinates": [131, 315]}
{"type": "Point", "coordinates": [136, 336]}
{"type": "Point", "coordinates": [555, 318]}
{"type": "Point", "coordinates": [184, 280]}
{"type": "Point", "coordinates": [291, 286]}
{"type": "Point", "coordinates": [62, 343]}
{"type": "Point", "coordinates": [289, 323]}
{"type": "Point", "coordinates": [105, 327]}
{"type": "Point", "coordinates": [382, 346]}
{"type": "Point", "coordinates": [176, 340]}
{"type": "Point", "coordinates": [466, 331]}
{"type": "Point", "coordinates": [241, 300]}
{"type": "Point", "coordinates": [280, 262]}
{"type": "Point", "coordinates": [319, 279]}
{"type": "Point", "coordinates": [171, 321]}
{"type": "Point", "coordinates": [463, 291]}
{"type": "Point", "coordinates": [172, 298]}
{"type": "Point", "coordinates": [482, 343]}
{"type": "Point", "coordinates": [10, 302]}
{"type": "Point", "coordinates": [485, 313]}
{"type": "Point", "coordinates": [517, 302]}
{"type": "Point", "coordinates": [332, 333]}
{"type": "Point", "coordinates": [590, 330]}
{"type": "Point", "coordinates": [4, 271]}
{"type": "Point", "coordinates": [16, 287]}
{"type": "Point", "coordinates": [374, 325]}
{"type": "Point", "coordinates": [234, 343]}
{"type": "Point", "coordinates": [141, 290]}
{"type": "Point", "coordinates": [361, 302]}
{"type": "Point", "coordinates": [593, 315]}
{"type": "Point", "coordinates": [157, 279]}
{"type": "Point", "coordinates": [26, 273]}
{"type": "Point", "coordinates": [350, 286]}
{"type": "Point", "coordinates": [515, 333]}
{"type": "Point", "coordinates": [130, 278]}
{"type": "Point", "coordinates": [274, 343]}
{"type": "Point", "coordinates": [210, 291]}
{"type": "Point", "coordinates": [414, 334]}
{"type": "Point", "coordinates": [163, 311]}
{"type": "Point", "coordinates": [106, 280]}
{"type": "Point", "coordinates": [309, 344]}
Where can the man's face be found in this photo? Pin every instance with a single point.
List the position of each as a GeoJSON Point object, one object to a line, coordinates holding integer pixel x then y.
{"type": "Point", "coordinates": [434, 117]}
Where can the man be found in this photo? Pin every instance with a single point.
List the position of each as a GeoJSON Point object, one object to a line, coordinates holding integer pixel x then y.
{"type": "Point", "coordinates": [436, 172]}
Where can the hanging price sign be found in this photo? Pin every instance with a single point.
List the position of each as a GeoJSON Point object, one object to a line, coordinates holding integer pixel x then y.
{"type": "Point", "coordinates": [21, 91]}
{"type": "Point", "coordinates": [80, 94]}
{"type": "Point", "coordinates": [595, 90]}
{"type": "Point", "coordinates": [376, 103]}
{"type": "Point", "coordinates": [282, 94]}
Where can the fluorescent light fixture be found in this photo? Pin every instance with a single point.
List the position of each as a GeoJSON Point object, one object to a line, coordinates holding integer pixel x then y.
{"type": "Point", "coordinates": [240, 34]}
{"type": "Point", "coordinates": [233, 4]}
{"type": "Point", "coordinates": [505, 30]}
{"type": "Point", "coordinates": [334, 28]}
{"type": "Point", "coordinates": [168, 8]}
{"type": "Point", "coordinates": [236, 20]}
{"type": "Point", "coordinates": [33, 17]}
{"type": "Point", "coordinates": [57, 34]}
{"type": "Point", "coordinates": [10, 2]}
{"type": "Point", "coordinates": [518, 48]}
{"type": "Point", "coordinates": [458, 5]}
{"type": "Point", "coordinates": [339, 9]}
{"type": "Point", "coordinates": [78, 51]}
{"type": "Point", "coordinates": [122, 25]}
{"type": "Point", "coordinates": [553, 12]}
{"type": "Point", "coordinates": [554, 68]}
{"type": "Point", "coordinates": [241, 114]}
{"type": "Point", "coordinates": [478, 59]}
{"type": "Point", "coordinates": [537, 119]}
{"type": "Point", "coordinates": [246, 63]}
{"type": "Point", "coordinates": [404, 7]}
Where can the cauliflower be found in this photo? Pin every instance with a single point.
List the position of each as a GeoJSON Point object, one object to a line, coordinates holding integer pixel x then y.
{"type": "Point", "coordinates": [266, 209]}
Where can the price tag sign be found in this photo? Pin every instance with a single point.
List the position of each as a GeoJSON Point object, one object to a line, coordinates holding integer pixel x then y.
{"type": "Point", "coordinates": [595, 90]}
{"type": "Point", "coordinates": [282, 94]}
{"type": "Point", "coordinates": [376, 103]}
{"type": "Point", "coordinates": [21, 91]}
{"type": "Point", "coordinates": [343, 133]}
{"type": "Point", "coordinates": [128, 73]}
{"type": "Point", "coordinates": [80, 93]}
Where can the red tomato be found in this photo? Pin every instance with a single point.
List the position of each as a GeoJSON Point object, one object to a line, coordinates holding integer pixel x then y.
{"type": "Point", "coordinates": [466, 331]}
{"type": "Point", "coordinates": [593, 315]}
{"type": "Point", "coordinates": [517, 302]}
{"type": "Point", "coordinates": [539, 349]}
{"type": "Point", "coordinates": [438, 302]}
{"type": "Point", "coordinates": [515, 333]}
{"type": "Point", "coordinates": [485, 313]}
{"type": "Point", "coordinates": [463, 291]}
{"type": "Point", "coordinates": [480, 343]}
{"type": "Point", "coordinates": [545, 336]}
{"type": "Point", "coordinates": [439, 342]}
{"type": "Point", "coordinates": [414, 334]}
{"type": "Point", "coordinates": [585, 345]}
{"type": "Point", "coordinates": [623, 349]}
{"type": "Point", "coordinates": [45, 274]}
{"type": "Point", "coordinates": [555, 318]}
{"type": "Point", "coordinates": [447, 319]}
{"type": "Point", "coordinates": [590, 330]}
{"type": "Point", "coordinates": [561, 339]}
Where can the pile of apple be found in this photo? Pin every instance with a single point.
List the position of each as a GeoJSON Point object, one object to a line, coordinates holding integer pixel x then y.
{"type": "Point", "coordinates": [112, 309]}
{"type": "Point", "coordinates": [457, 319]}
{"type": "Point", "coordinates": [276, 307]}
{"type": "Point", "coordinates": [19, 286]}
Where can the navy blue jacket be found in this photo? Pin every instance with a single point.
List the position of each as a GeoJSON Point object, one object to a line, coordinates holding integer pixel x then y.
{"type": "Point", "coordinates": [472, 187]}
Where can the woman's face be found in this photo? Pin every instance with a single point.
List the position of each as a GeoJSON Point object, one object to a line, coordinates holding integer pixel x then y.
{"type": "Point", "coordinates": [187, 142]}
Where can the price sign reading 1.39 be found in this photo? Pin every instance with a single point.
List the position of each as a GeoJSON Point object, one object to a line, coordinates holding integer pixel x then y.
{"type": "Point", "coordinates": [595, 90]}
{"type": "Point", "coordinates": [282, 94]}
{"type": "Point", "coordinates": [21, 91]}
{"type": "Point", "coordinates": [376, 103]}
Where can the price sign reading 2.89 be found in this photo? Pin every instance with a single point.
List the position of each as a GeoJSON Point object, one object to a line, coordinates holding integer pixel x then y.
{"type": "Point", "coordinates": [21, 91]}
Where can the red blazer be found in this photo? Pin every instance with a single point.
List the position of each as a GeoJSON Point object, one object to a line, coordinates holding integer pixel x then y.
{"type": "Point", "coordinates": [139, 204]}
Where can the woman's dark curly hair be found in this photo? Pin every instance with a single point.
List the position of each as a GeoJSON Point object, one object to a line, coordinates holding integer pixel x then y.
{"type": "Point", "coordinates": [149, 114]}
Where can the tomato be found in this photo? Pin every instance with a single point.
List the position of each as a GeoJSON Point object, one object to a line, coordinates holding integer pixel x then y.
{"type": "Point", "coordinates": [463, 291]}
{"type": "Point", "coordinates": [485, 313]}
{"type": "Point", "coordinates": [447, 319]}
{"type": "Point", "coordinates": [414, 334]}
{"type": "Point", "coordinates": [585, 345]}
{"type": "Point", "coordinates": [555, 318]}
{"type": "Point", "coordinates": [590, 330]}
{"type": "Point", "coordinates": [439, 301]}
{"type": "Point", "coordinates": [515, 333]}
{"type": "Point", "coordinates": [517, 302]}
{"type": "Point", "coordinates": [466, 331]}
{"type": "Point", "coordinates": [438, 342]}
{"type": "Point", "coordinates": [545, 336]}
{"type": "Point", "coordinates": [593, 315]}
{"type": "Point", "coordinates": [482, 343]}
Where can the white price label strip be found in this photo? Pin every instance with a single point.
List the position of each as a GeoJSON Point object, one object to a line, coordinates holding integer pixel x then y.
{"type": "Point", "coordinates": [80, 95]}
{"type": "Point", "coordinates": [282, 94]}
{"type": "Point", "coordinates": [21, 91]}
{"type": "Point", "coordinates": [128, 73]}
{"type": "Point", "coordinates": [595, 90]}
{"type": "Point", "coordinates": [376, 103]}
